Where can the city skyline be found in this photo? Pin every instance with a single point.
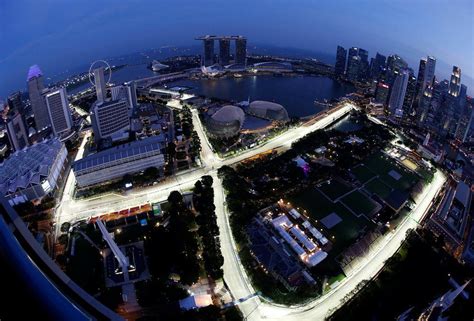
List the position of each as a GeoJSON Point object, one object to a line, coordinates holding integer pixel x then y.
{"type": "Point", "coordinates": [265, 161]}
{"type": "Point", "coordinates": [38, 41]}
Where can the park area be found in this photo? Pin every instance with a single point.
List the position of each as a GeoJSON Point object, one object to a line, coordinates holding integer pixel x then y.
{"type": "Point", "coordinates": [387, 170]}
{"type": "Point", "coordinates": [337, 222]}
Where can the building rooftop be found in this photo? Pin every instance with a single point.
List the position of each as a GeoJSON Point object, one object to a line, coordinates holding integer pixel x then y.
{"type": "Point", "coordinates": [462, 194]}
{"type": "Point", "coordinates": [229, 114]}
{"type": "Point", "coordinates": [122, 151]}
{"type": "Point", "coordinates": [34, 71]}
{"type": "Point", "coordinates": [28, 166]}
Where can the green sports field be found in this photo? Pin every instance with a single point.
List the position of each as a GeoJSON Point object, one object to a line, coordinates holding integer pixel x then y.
{"type": "Point", "coordinates": [318, 207]}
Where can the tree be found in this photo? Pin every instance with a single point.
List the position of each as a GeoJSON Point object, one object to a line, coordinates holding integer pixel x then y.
{"type": "Point", "coordinates": [151, 173]}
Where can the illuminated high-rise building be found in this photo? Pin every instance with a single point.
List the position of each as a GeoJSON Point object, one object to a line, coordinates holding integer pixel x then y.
{"type": "Point", "coordinates": [377, 64]}
{"type": "Point", "coordinates": [241, 50]}
{"type": "Point", "coordinates": [381, 93]}
{"type": "Point", "coordinates": [224, 51]}
{"type": "Point", "coordinates": [455, 83]}
{"type": "Point", "coordinates": [341, 56]}
{"type": "Point", "coordinates": [208, 58]}
{"type": "Point", "coordinates": [58, 110]}
{"type": "Point", "coordinates": [397, 96]}
{"type": "Point", "coordinates": [35, 91]}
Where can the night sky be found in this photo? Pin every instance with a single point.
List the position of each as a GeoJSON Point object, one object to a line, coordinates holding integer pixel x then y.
{"type": "Point", "coordinates": [62, 34]}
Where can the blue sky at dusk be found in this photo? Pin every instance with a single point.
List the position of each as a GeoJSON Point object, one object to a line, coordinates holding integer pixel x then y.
{"type": "Point", "coordinates": [62, 34]}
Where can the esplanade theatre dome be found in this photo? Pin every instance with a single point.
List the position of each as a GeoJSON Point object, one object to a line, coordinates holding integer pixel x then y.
{"type": "Point", "coordinates": [226, 122]}
{"type": "Point", "coordinates": [268, 110]}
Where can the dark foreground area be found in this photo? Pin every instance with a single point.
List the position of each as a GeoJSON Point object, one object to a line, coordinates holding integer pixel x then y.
{"type": "Point", "coordinates": [415, 276]}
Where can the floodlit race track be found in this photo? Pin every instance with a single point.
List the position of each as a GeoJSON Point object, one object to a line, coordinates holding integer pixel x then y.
{"type": "Point", "coordinates": [255, 308]}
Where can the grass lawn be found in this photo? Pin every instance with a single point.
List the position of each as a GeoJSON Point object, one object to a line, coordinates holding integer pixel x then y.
{"type": "Point", "coordinates": [359, 203]}
{"type": "Point", "coordinates": [376, 186]}
{"type": "Point", "coordinates": [362, 173]}
{"type": "Point", "coordinates": [318, 206]}
{"type": "Point", "coordinates": [382, 165]}
{"type": "Point", "coordinates": [335, 189]}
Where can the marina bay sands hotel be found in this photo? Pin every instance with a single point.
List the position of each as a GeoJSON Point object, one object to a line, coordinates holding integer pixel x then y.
{"type": "Point", "coordinates": [224, 50]}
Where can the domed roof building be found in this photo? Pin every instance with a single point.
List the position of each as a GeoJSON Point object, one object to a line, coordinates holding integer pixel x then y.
{"type": "Point", "coordinates": [268, 110]}
{"type": "Point", "coordinates": [226, 122]}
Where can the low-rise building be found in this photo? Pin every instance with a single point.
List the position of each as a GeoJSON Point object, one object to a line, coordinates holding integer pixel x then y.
{"type": "Point", "coordinates": [112, 164]}
{"type": "Point", "coordinates": [452, 217]}
{"type": "Point", "coordinates": [33, 172]}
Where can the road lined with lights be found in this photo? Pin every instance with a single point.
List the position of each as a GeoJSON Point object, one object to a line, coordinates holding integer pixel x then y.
{"type": "Point", "coordinates": [235, 276]}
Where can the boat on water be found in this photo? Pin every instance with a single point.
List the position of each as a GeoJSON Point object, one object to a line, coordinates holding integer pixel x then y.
{"type": "Point", "coordinates": [237, 75]}
{"type": "Point", "coordinates": [158, 66]}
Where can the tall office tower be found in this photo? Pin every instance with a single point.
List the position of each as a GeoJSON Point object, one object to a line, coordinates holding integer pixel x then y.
{"type": "Point", "coordinates": [353, 67]}
{"type": "Point", "coordinates": [58, 110]}
{"type": "Point", "coordinates": [396, 63]}
{"type": "Point", "coordinates": [420, 81]}
{"type": "Point", "coordinates": [99, 81]}
{"type": "Point", "coordinates": [208, 57]}
{"type": "Point", "coordinates": [126, 91]}
{"type": "Point", "coordinates": [426, 73]}
{"type": "Point", "coordinates": [35, 90]}
{"type": "Point", "coordinates": [241, 50]}
{"type": "Point", "coordinates": [381, 93]}
{"type": "Point", "coordinates": [395, 104]}
{"type": "Point", "coordinates": [364, 69]}
{"type": "Point", "coordinates": [14, 102]}
{"type": "Point", "coordinates": [353, 52]}
{"type": "Point", "coordinates": [132, 93]}
{"type": "Point", "coordinates": [409, 96]}
{"type": "Point", "coordinates": [224, 51]}
{"type": "Point", "coordinates": [455, 83]}
{"type": "Point", "coordinates": [340, 67]}
{"type": "Point", "coordinates": [16, 128]}
{"type": "Point", "coordinates": [377, 64]}
{"type": "Point", "coordinates": [110, 119]}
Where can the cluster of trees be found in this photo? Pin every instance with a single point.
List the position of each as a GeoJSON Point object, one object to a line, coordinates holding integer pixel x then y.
{"type": "Point", "coordinates": [203, 199]}
{"type": "Point", "coordinates": [172, 249]}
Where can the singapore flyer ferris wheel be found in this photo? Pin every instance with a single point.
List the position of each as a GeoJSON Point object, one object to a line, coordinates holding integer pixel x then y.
{"type": "Point", "coordinates": [97, 64]}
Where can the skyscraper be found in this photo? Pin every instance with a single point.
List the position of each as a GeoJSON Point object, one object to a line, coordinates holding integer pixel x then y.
{"type": "Point", "coordinates": [99, 81]}
{"type": "Point", "coordinates": [208, 58]}
{"type": "Point", "coordinates": [35, 91]}
{"type": "Point", "coordinates": [395, 104]}
{"type": "Point", "coordinates": [353, 68]}
{"type": "Point", "coordinates": [376, 65]}
{"type": "Point", "coordinates": [16, 127]}
{"type": "Point", "coordinates": [455, 83]}
{"type": "Point", "coordinates": [340, 67]}
{"type": "Point", "coordinates": [353, 52]}
{"type": "Point", "coordinates": [58, 110]}
{"type": "Point", "coordinates": [420, 81]}
{"type": "Point", "coordinates": [409, 95]}
{"type": "Point", "coordinates": [364, 67]}
{"type": "Point", "coordinates": [381, 94]}
{"type": "Point", "coordinates": [14, 102]}
{"type": "Point", "coordinates": [241, 50]}
{"type": "Point", "coordinates": [224, 51]}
